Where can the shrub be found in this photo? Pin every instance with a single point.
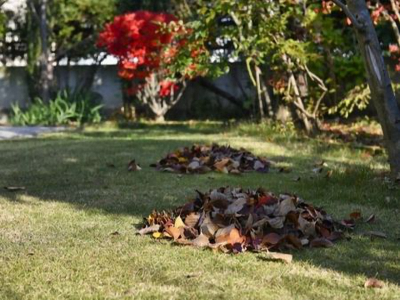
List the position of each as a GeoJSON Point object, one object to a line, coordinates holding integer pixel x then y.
{"type": "Point", "coordinates": [65, 109]}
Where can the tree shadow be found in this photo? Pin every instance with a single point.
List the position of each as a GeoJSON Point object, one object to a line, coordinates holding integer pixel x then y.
{"type": "Point", "coordinates": [90, 173]}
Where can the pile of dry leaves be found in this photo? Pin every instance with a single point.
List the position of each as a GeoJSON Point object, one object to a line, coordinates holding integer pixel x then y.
{"type": "Point", "coordinates": [235, 220]}
{"type": "Point", "coordinates": [203, 159]}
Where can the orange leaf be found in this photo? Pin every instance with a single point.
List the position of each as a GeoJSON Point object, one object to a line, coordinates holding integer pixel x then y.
{"type": "Point", "coordinates": [356, 215]}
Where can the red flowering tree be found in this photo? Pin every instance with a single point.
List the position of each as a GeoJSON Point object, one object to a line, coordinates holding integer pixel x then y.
{"type": "Point", "coordinates": [143, 48]}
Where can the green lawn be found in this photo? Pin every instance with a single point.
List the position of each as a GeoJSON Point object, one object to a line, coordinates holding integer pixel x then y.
{"type": "Point", "coordinates": [56, 238]}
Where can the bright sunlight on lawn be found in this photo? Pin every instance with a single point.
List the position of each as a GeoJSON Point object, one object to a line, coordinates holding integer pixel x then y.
{"type": "Point", "coordinates": [71, 233]}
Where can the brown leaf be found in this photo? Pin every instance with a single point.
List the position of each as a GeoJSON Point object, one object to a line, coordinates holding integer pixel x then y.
{"type": "Point", "coordinates": [115, 233]}
{"type": "Point", "coordinates": [149, 229]}
{"type": "Point", "coordinates": [321, 243]}
{"type": "Point", "coordinates": [286, 206]}
{"type": "Point", "coordinates": [335, 235]}
{"type": "Point", "coordinates": [133, 166]}
{"type": "Point", "coordinates": [228, 235]}
{"type": "Point", "coordinates": [189, 233]}
{"type": "Point", "coordinates": [293, 240]}
{"type": "Point", "coordinates": [356, 215]}
{"type": "Point", "coordinates": [287, 258]}
{"type": "Point", "coordinates": [271, 239]}
{"type": "Point", "coordinates": [308, 228]}
{"type": "Point", "coordinates": [208, 228]}
{"type": "Point", "coordinates": [235, 172]}
{"type": "Point", "coordinates": [201, 241]}
{"type": "Point", "coordinates": [374, 283]}
{"type": "Point", "coordinates": [192, 219]}
{"type": "Point", "coordinates": [221, 165]}
{"type": "Point", "coordinates": [328, 174]}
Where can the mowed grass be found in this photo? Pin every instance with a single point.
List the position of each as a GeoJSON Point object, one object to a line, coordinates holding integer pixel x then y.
{"type": "Point", "coordinates": [58, 237]}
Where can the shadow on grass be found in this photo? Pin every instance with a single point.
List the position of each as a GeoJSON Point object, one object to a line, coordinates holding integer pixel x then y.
{"type": "Point", "coordinates": [91, 174]}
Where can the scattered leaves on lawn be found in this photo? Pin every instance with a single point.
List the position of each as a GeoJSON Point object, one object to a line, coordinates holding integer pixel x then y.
{"type": "Point", "coordinates": [235, 220]}
{"type": "Point", "coordinates": [15, 188]}
{"type": "Point", "coordinates": [133, 166]}
{"type": "Point", "coordinates": [199, 159]}
{"type": "Point", "coordinates": [373, 283]}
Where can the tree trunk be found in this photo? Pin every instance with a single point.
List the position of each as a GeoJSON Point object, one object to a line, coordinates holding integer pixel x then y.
{"type": "Point", "coordinates": [46, 65]}
{"type": "Point", "coordinates": [382, 94]}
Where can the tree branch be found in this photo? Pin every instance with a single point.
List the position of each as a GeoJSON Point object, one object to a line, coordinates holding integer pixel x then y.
{"type": "Point", "coordinates": [348, 13]}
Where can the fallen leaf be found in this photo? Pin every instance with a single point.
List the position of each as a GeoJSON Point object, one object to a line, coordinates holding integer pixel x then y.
{"type": "Point", "coordinates": [179, 223]}
{"type": "Point", "coordinates": [149, 229]}
{"type": "Point", "coordinates": [208, 228]}
{"type": "Point", "coordinates": [374, 283]}
{"type": "Point", "coordinates": [293, 240]}
{"type": "Point", "coordinates": [370, 219]}
{"type": "Point", "coordinates": [133, 166]}
{"type": "Point", "coordinates": [115, 233]}
{"type": "Point", "coordinates": [271, 239]}
{"type": "Point", "coordinates": [287, 258]}
{"type": "Point", "coordinates": [377, 234]}
{"type": "Point", "coordinates": [236, 206]}
{"type": "Point", "coordinates": [14, 188]}
{"type": "Point", "coordinates": [201, 241]}
{"type": "Point", "coordinates": [321, 243]}
{"type": "Point", "coordinates": [192, 219]}
{"type": "Point", "coordinates": [221, 165]}
{"type": "Point", "coordinates": [228, 235]}
{"type": "Point", "coordinates": [328, 174]}
{"type": "Point", "coordinates": [157, 235]}
{"type": "Point", "coordinates": [173, 231]}
{"type": "Point", "coordinates": [286, 206]}
{"type": "Point", "coordinates": [356, 215]}
{"type": "Point", "coordinates": [258, 165]}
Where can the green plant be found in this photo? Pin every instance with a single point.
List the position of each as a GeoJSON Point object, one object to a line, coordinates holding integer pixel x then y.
{"type": "Point", "coordinates": [358, 97]}
{"type": "Point", "coordinates": [66, 108]}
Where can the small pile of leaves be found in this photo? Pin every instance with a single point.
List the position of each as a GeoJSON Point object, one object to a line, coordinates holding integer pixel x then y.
{"type": "Point", "coordinates": [202, 159]}
{"type": "Point", "coordinates": [235, 220]}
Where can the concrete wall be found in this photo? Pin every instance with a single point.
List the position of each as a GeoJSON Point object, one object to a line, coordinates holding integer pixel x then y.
{"type": "Point", "coordinates": [13, 89]}
{"type": "Point", "coordinates": [13, 85]}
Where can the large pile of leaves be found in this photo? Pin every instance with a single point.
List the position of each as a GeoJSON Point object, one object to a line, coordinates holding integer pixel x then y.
{"type": "Point", "coordinates": [236, 220]}
{"type": "Point", "coordinates": [203, 159]}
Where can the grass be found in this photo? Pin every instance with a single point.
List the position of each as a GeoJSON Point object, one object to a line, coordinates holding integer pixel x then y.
{"type": "Point", "coordinates": [56, 238]}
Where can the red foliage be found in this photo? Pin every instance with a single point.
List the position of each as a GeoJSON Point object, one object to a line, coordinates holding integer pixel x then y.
{"type": "Point", "coordinates": [138, 42]}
